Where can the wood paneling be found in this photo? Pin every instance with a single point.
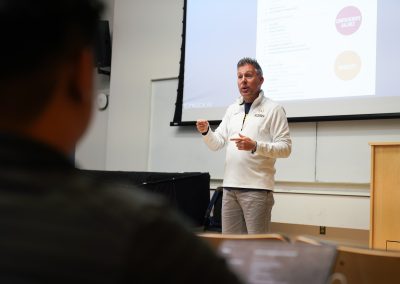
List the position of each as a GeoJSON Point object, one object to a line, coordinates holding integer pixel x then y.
{"type": "Point", "coordinates": [385, 195]}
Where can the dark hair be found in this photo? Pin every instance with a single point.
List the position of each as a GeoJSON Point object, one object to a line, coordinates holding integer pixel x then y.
{"type": "Point", "coordinates": [250, 61]}
{"type": "Point", "coordinates": [37, 35]}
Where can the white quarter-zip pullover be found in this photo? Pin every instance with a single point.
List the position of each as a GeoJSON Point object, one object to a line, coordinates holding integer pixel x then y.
{"type": "Point", "coordinates": [265, 123]}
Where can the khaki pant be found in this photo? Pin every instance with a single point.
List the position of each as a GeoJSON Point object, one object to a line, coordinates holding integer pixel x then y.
{"type": "Point", "coordinates": [246, 211]}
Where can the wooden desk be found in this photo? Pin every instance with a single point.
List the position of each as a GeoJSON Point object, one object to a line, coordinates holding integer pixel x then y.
{"type": "Point", "coordinates": [385, 196]}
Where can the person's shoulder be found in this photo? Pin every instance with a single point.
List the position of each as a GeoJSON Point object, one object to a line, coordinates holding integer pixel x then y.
{"type": "Point", "coordinates": [118, 190]}
{"type": "Point", "coordinates": [119, 199]}
{"type": "Point", "coordinates": [270, 103]}
{"type": "Point", "coordinates": [235, 106]}
{"type": "Point", "coordinates": [266, 101]}
{"type": "Point", "coordinates": [128, 209]}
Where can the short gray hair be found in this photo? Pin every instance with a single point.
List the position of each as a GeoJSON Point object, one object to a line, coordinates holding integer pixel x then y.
{"type": "Point", "coordinates": [250, 61]}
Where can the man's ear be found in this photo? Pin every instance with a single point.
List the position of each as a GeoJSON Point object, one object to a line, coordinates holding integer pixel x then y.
{"type": "Point", "coordinates": [262, 79]}
{"type": "Point", "coordinates": [80, 85]}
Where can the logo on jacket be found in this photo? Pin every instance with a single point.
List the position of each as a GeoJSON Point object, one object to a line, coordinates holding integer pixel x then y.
{"type": "Point", "coordinates": [260, 114]}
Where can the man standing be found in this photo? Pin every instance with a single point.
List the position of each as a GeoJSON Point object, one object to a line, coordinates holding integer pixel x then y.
{"type": "Point", "coordinates": [57, 226]}
{"type": "Point", "coordinates": [256, 132]}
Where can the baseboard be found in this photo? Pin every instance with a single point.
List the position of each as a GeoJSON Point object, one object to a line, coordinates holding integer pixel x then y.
{"type": "Point", "coordinates": [342, 236]}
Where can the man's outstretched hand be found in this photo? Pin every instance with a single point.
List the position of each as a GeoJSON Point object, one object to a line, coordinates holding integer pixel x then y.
{"type": "Point", "coordinates": [244, 143]}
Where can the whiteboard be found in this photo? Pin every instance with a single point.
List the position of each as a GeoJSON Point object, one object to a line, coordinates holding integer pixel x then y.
{"type": "Point", "coordinates": [177, 149]}
{"type": "Point", "coordinates": [300, 165]}
{"type": "Point", "coordinates": [181, 149]}
{"type": "Point", "coordinates": [343, 152]}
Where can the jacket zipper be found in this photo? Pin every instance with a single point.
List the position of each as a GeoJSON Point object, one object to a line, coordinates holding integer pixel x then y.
{"type": "Point", "coordinates": [244, 118]}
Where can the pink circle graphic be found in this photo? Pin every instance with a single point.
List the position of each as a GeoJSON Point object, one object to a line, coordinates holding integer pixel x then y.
{"type": "Point", "coordinates": [348, 20]}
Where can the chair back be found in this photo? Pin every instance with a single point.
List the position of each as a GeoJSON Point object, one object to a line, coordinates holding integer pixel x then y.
{"type": "Point", "coordinates": [265, 261]}
{"type": "Point", "coordinates": [359, 265]}
{"type": "Point", "coordinates": [306, 240]}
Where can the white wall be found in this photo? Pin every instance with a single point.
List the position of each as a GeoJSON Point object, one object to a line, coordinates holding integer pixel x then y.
{"type": "Point", "coordinates": [147, 40]}
{"type": "Point", "coordinates": [91, 150]}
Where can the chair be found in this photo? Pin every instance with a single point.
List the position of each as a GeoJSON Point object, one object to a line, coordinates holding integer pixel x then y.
{"type": "Point", "coordinates": [277, 261]}
{"type": "Point", "coordinates": [307, 240]}
{"type": "Point", "coordinates": [359, 265]}
{"type": "Point", "coordinates": [215, 240]}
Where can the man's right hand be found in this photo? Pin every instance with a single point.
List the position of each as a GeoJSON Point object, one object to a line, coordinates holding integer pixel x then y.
{"type": "Point", "coordinates": [202, 125]}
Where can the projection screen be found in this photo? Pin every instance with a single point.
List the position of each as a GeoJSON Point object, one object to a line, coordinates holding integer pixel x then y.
{"type": "Point", "coordinates": [321, 59]}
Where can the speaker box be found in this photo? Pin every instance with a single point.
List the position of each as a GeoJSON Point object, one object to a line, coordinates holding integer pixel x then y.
{"type": "Point", "coordinates": [103, 46]}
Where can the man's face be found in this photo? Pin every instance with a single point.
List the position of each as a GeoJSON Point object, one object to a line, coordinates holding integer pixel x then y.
{"type": "Point", "coordinates": [249, 82]}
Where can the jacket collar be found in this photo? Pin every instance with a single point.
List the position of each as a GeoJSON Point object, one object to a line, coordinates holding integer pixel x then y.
{"type": "Point", "coordinates": [256, 102]}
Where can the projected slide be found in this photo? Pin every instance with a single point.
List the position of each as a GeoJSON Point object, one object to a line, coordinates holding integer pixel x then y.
{"type": "Point", "coordinates": [317, 49]}
{"type": "Point", "coordinates": [320, 58]}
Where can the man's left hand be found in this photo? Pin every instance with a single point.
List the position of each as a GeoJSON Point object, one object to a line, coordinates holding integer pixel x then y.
{"type": "Point", "coordinates": [244, 143]}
